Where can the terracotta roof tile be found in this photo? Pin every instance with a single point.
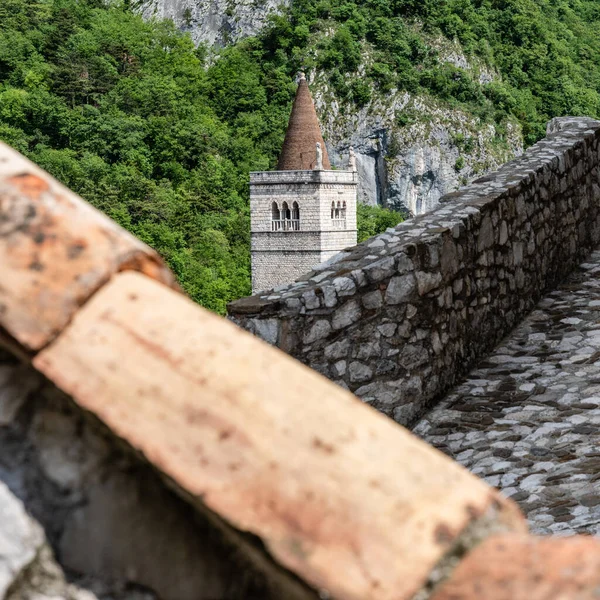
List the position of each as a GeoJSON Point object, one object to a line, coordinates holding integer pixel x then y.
{"type": "Point", "coordinates": [299, 147]}
{"type": "Point", "coordinates": [340, 495]}
{"type": "Point", "coordinates": [516, 567]}
{"type": "Point", "coordinates": [56, 251]}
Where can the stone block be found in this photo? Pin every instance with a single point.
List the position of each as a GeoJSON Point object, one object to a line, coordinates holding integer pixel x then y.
{"type": "Point", "coordinates": [400, 289]}
{"type": "Point", "coordinates": [426, 282]}
{"type": "Point", "coordinates": [372, 300]}
{"type": "Point", "coordinates": [344, 286]}
{"type": "Point", "coordinates": [337, 349]}
{"type": "Point", "coordinates": [320, 330]}
{"type": "Point", "coordinates": [267, 329]}
{"type": "Point", "coordinates": [359, 372]}
{"type": "Point", "coordinates": [346, 315]}
{"type": "Point", "coordinates": [485, 238]}
{"type": "Point", "coordinates": [380, 269]}
{"type": "Point", "coordinates": [20, 539]}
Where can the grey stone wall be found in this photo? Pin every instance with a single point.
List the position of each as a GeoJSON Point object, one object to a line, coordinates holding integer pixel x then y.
{"type": "Point", "coordinates": [82, 518]}
{"type": "Point", "coordinates": [399, 318]}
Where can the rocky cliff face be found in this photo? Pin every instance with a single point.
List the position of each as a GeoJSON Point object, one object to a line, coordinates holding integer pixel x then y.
{"type": "Point", "coordinates": [410, 150]}
{"type": "Point", "coordinates": [214, 22]}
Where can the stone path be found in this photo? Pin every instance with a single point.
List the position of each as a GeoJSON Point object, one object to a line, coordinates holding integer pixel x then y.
{"type": "Point", "coordinates": [527, 419]}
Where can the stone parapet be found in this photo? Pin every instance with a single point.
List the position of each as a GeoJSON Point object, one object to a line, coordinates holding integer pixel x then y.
{"type": "Point", "coordinates": [400, 317]}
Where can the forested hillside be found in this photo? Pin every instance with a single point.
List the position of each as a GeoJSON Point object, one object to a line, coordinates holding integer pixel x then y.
{"type": "Point", "coordinates": [546, 51]}
{"type": "Point", "coordinates": [134, 118]}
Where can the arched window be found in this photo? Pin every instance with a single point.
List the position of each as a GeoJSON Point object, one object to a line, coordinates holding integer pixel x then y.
{"type": "Point", "coordinates": [275, 211]}
{"type": "Point", "coordinates": [275, 217]}
{"type": "Point", "coordinates": [338, 215]}
{"type": "Point", "coordinates": [286, 217]}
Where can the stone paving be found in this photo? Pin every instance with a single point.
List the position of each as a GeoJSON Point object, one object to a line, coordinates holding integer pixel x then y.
{"type": "Point", "coordinates": [527, 419]}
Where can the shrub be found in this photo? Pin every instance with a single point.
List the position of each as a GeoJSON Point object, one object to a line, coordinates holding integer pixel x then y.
{"type": "Point", "coordinates": [375, 219]}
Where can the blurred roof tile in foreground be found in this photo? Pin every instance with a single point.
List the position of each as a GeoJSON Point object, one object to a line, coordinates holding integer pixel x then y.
{"type": "Point", "coordinates": [56, 252]}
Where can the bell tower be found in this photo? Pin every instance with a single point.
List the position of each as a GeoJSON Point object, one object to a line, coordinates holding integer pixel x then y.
{"type": "Point", "coordinates": [304, 212]}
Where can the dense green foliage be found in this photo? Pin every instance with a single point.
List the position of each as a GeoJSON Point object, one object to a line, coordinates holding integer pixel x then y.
{"type": "Point", "coordinates": [373, 220]}
{"type": "Point", "coordinates": [125, 113]}
{"type": "Point", "coordinates": [129, 115]}
{"type": "Point", "coordinates": [547, 52]}
{"type": "Point", "coordinates": [122, 112]}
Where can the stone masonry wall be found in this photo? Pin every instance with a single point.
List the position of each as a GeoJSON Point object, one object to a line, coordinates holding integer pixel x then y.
{"type": "Point", "coordinates": [279, 257]}
{"type": "Point", "coordinates": [268, 268]}
{"type": "Point", "coordinates": [399, 318]}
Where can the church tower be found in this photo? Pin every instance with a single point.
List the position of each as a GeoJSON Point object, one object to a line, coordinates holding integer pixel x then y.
{"type": "Point", "coordinates": [304, 212]}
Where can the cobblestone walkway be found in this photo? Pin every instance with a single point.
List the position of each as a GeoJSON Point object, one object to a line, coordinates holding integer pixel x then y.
{"type": "Point", "coordinates": [527, 419]}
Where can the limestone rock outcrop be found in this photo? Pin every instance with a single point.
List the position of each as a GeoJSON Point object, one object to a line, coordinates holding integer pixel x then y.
{"type": "Point", "coordinates": [410, 150]}
{"type": "Point", "coordinates": [214, 22]}
{"type": "Point", "coordinates": [408, 165]}
{"type": "Point", "coordinates": [28, 570]}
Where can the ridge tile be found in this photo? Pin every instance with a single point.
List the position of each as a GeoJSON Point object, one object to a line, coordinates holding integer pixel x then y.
{"type": "Point", "coordinates": [340, 495]}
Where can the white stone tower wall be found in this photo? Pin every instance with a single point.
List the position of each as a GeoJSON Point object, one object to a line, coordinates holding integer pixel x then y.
{"type": "Point", "coordinates": [279, 257]}
{"type": "Point", "coordinates": [334, 240]}
{"type": "Point", "coordinates": [267, 267]}
{"type": "Point", "coordinates": [262, 197]}
{"type": "Point", "coordinates": [337, 192]}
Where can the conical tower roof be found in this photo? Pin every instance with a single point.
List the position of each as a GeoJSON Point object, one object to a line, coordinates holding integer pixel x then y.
{"type": "Point", "coordinates": [299, 152]}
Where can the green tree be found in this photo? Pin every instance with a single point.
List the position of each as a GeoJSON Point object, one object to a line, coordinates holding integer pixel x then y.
{"type": "Point", "coordinates": [374, 219]}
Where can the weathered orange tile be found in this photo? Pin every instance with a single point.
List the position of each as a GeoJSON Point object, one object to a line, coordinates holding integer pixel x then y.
{"type": "Point", "coordinates": [339, 494]}
{"type": "Point", "coordinates": [55, 251]}
{"type": "Point", "coordinates": [518, 567]}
